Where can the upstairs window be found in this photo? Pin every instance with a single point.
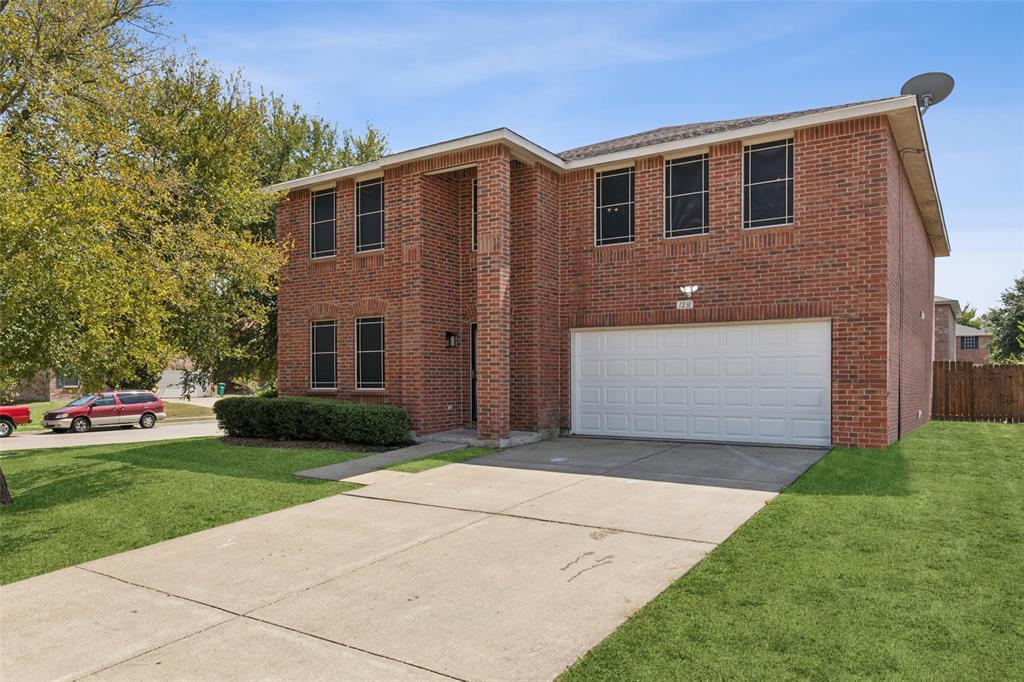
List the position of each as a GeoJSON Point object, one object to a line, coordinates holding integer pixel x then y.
{"type": "Point", "coordinates": [686, 196]}
{"type": "Point", "coordinates": [968, 343]}
{"type": "Point", "coordinates": [321, 223]}
{"type": "Point", "coordinates": [370, 215]}
{"type": "Point", "coordinates": [768, 184]}
{"type": "Point", "coordinates": [370, 352]}
{"type": "Point", "coordinates": [614, 197]}
{"type": "Point", "coordinates": [323, 354]}
{"type": "Point", "coordinates": [473, 214]}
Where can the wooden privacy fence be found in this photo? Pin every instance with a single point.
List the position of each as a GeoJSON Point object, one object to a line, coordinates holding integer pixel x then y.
{"type": "Point", "coordinates": [966, 392]}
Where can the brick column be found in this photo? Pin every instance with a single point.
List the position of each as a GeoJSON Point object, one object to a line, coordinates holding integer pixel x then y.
{"type": "Point", "coordinates": [494, 304]}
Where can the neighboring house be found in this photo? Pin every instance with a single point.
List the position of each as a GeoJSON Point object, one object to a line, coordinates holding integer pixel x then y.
{"type": "Point", "coordinates": [64, 386]}
{"type": "Point", "coordinates": [972, 344]}
{"type": "Point", "coordinates": [486, 282]}
{"type": "Point", "coordinates": [947, 310]}
{"type": "Point", "coordinates": [958, 342]}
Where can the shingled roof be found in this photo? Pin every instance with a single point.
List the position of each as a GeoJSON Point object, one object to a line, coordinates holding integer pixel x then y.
{"type": "Point", "coordinates": [682, 132]}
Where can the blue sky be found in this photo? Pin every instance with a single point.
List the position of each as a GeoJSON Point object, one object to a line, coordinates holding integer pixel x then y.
{"type": "Point", "coordinates": [567, 74]}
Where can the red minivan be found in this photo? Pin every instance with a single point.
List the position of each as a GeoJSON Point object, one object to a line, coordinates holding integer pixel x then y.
{"type": "Point", "coordinates": [112, 408]}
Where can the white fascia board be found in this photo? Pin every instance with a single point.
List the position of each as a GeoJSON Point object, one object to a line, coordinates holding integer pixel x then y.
{"type": "Point", "coordinates": [820, 118]}
{"type": "Point", "coordinates": [458, 144]}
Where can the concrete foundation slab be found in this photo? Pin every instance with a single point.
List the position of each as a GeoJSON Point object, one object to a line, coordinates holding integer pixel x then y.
{"type": "Point", "coordinates": [245, 650]}
{"type": "Point", "coordinates": [464, 486]}
{"type": "Point", "coordinates": [688, 512]}
{"type": "Point", "coordinates": [502, 599]}
{"type": "Point", "coordinates": [69, 623]}
{"type": "Point", "coordinates": [250, 563]}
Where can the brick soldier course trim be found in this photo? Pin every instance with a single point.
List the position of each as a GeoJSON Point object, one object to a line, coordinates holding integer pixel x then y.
{"type": "Point", "coordinates": [859, 253]}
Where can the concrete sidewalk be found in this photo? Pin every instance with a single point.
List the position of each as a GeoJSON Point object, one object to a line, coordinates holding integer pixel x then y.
{"type": "Point", "coordinates": [468, 571]}
{"type": "Point", "coordinates": [36, 440]}
{"type": "Point", "coordinates": [364, 465]}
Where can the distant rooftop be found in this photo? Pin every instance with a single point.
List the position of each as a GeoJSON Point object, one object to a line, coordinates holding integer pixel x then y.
{"type": "Point", "coordinates": [964, 330]}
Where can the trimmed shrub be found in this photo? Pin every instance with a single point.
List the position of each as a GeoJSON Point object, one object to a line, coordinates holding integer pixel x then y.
{"type": "Point", "coordinates": [312, 419]}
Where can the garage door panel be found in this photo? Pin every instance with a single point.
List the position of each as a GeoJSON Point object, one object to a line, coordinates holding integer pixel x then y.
{"type": "Point", "coordinates": [766, 382]}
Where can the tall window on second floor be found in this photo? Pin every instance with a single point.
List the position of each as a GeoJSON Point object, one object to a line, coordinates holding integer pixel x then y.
{"type": "Point", "coordinates": [321, 223]}
{"type": "Point", "coordinates": [613, 223]}
{"type": "Point", "coordinates": [473, 215]}
{"type": "Point", "coordinates": [323, 354]}
{"type": "Point", "coordinates": [686, 196]}
{"type": "Point", "coordinates": [370, 215]}
{"type": "Point", "coordinates": [768, 184]}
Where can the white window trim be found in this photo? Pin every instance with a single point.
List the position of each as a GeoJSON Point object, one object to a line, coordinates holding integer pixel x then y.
{"type": "Point", "coordinates": [355, 232]}
{"type": "Point", "coordinates": [706, 227]}
{"type": "Point", "coordinates": [377, 319]}
{"type": "Point", "coordinates": [313, 325]}
{"type": "Point", "coordinates": [790, 177]}
{"type": "Point", "coordinates": [631, 171]}
{"type": "Point", "coordinates": [312, 224]}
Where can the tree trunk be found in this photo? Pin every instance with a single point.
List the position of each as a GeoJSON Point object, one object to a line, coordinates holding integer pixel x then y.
{"type": "Point", "coordinates": [5, 494]}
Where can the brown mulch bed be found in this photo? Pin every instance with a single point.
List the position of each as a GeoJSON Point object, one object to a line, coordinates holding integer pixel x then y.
{"type": "Point", "coordinates": [305, 444]}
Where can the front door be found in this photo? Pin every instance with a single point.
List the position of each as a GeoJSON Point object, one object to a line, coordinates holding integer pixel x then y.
{"type": "Point", "coordinates": [472, 371]}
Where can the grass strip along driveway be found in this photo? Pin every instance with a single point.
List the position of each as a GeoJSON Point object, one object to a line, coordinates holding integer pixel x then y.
{"type": "Point", "coordinates": [76, 504]}
{"type": "Point", "coordinates": [906, 562]}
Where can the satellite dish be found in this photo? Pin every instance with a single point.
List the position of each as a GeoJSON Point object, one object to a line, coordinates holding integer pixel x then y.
{"type": "Point", "coordinates": [929, 88]}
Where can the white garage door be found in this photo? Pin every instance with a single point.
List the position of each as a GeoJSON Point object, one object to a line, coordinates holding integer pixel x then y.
{"type": "Point", "coordinates": [758, 383]}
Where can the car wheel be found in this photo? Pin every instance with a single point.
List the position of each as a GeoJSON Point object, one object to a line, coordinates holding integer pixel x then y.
{"type": "Point", "coordinates": [6, 428]}
{"type": "Point", "coordinates": [147, 421]}
{"type": "Point", "coordinates": [80, 425]}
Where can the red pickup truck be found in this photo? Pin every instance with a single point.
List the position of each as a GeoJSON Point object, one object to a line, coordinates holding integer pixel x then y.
{"type": "Point", "coordinates": [11, 416]}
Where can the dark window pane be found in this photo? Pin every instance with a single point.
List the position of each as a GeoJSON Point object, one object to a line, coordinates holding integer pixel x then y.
{"type": "Point", "coordinates": [687, 214]}
{"type": "Point", "coordinates": [615, 189]}
{"type": "Point", "coordinates": [371, 336]}
{"type": "Point", "coordinates": [323, 207]}
{"type": "Point", "coordinates": [686, 177]}
{"type": "Point", "coordinates": [323, 371]}
{"type": "Point", "coordinates": [323, 239]}
{"type": "Point", "coordinates": [370, 231]}
{"type": "Point", "coordinates": [371, 196]}
{"type": "Point", "coordinates": [105, 401]}
{"type": "Point", "coordinates": [371, 370]}
{"type": "Point", "coordinates": [615, 224]}
{"type": "Point", "coordinates": [323, 339]}
{"type": "Point", "coordinates": [767, 201]}
{"type": "Point", "coordinates": [767, 164]}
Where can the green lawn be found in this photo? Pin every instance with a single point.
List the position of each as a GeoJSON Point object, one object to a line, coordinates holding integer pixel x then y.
{"type": "Point", "coordinates": [76, 504]}
{"type": "Point", "coordinates": [902, 563]}
{"type": "Point", "coordinates": [414, 466]}
{"type": "Point", "coordinates": [38, 410]}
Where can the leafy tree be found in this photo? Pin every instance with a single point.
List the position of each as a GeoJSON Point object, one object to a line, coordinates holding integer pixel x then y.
{"type": "Point", "coordinates": [1007, 325]}
{"type": "Point", "coordinates": [969, 317]}
{"type": "Point", "coordinates": [131, 216]}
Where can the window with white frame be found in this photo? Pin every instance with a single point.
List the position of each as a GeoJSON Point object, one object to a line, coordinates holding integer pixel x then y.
{"type": "Point", "coordinates": [321, 223]}
{"type": "Point", "coordinates": [473, 215]}
{"type": "Point", "coordinates": [968, 343]}
{"type": "Point", "coordinates": [768, 184]}
{"type": "Point", "coordinates": [686, 196]}
{"type": "Point", "coordinates": [67, 379]}
{"type": "Point", "coordinates": [370, 215]}
{"type": "Point", "coordinates": [370, 352]}
{"type": "Point", "coordinates": [613, 223]}
{"type": "Point", "coordinates": [323, 354]}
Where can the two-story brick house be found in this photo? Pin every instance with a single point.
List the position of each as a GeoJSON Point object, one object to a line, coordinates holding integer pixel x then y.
{"type": "Point", "coordinates": [767, 279]}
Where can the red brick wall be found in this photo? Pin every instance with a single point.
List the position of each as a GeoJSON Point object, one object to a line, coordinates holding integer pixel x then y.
{"type": "Point", "coordinates": [945, 332]}
{"type": "Point", "coordinates": [978, 356]}
{"type": "Point", "coordinates": [537, 274]}
{"type": "Point", "coordinates": [911, 305]}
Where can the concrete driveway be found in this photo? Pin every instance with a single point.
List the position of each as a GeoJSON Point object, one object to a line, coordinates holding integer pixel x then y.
{"type": "Point", "coordinates": [507, 567]}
